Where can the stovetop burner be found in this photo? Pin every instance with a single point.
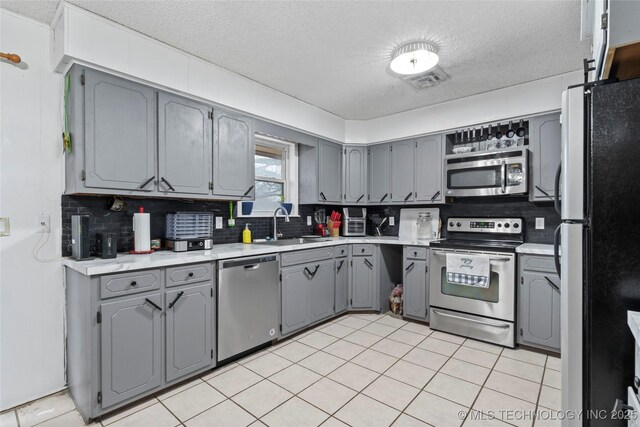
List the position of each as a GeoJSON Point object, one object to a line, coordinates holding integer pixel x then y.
{"type": "Point", "coordinates": [502, 245]}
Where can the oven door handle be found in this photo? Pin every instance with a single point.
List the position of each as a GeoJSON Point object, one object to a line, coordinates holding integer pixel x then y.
{"type": "Point", "coordinates": [490, 259]}
{"type": "Point", "coordinates": [503, 176]}
{"type": "Point", "coordinates": [471, 320]}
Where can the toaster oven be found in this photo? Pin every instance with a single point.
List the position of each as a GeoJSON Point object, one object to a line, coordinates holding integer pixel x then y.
{"type": "Point", "coordinates": [354, 222]}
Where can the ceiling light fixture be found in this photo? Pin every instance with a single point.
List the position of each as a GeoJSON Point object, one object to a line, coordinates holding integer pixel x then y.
{"type": "Point", "coordinates": [414, 58]}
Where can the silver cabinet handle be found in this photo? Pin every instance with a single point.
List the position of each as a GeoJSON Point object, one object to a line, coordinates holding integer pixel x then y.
{"type": "Point", "coordinates": [469, 320]}
{"type": "Point", "coordinates": [503, 175]}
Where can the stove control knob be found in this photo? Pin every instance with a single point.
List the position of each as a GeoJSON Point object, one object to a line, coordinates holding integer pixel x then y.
{"type": "Point", "coordinates": [451, 224]}
{"type": "Point", "coordinates": [459, 225]}
{"type": "Point", "coordinates": [506, 225]}
{"type": "Point", "coordinates": [516, 225]}
{"type": "Point", "coordinates": [499, 225]}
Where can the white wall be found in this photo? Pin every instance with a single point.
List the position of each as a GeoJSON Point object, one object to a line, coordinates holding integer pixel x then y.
{"type": "Point", "coordinates": [31, 293]}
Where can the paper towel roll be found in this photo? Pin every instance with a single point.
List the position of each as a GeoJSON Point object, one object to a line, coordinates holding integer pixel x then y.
{"type": "Point", "coordinates": [142, 231]}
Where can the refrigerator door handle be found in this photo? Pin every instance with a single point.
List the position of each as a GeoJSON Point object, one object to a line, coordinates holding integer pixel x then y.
{"type": "Point", "coordinates": [556, 249]}
{"type": "Point", "coordinates": [556, 189]}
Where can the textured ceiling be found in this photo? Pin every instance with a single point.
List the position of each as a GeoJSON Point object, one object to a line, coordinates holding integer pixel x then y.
{"type": "Point", "coordinates": [334, 54]}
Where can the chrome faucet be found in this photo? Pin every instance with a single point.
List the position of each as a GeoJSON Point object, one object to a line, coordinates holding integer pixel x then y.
{"type": "Point", "coordinates": [275, 215]}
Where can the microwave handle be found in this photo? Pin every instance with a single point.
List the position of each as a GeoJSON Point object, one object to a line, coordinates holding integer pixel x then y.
{"type": "Point", "coordinates": [503, 175]}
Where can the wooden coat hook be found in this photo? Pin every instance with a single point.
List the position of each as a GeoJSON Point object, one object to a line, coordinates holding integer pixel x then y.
{"type": "Point", "coordinates": [11, 57]}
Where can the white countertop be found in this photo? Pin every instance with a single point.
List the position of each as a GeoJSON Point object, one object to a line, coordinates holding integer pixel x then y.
{"type": "Point", "coordinates": [633, 319]}
{"type": "Point", "coordinates": [535, 249]}
{"type": "Point", "coordinates": [125, 262]}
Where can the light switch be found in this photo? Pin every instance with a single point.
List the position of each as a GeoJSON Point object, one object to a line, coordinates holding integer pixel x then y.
{"type": "Point", "coordinates": [392, 221]}
{"type": "Point", "coordinates": [539, 223]}
{"type": "Point", "coordinates": [218, 223]}
{"type": "Point", "coordinates": [308, 219]}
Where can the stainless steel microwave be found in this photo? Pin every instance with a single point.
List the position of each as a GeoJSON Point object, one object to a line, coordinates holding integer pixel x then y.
{"type": "Point", "coordinates": [487, 173]}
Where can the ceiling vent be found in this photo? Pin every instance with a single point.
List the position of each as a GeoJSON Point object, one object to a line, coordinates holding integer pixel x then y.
{"type": "Point", "coordinates": [430, 78]}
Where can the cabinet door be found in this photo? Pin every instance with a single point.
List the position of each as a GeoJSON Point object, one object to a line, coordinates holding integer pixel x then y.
{"type": "Point", "coordinates": [119, 133]}
{"type": "Point", "coordinates": [540, 310]}
{"type": "Point", "coordinates": [184, 145]}
{"type": "Point", "coordinates": [415, 289]}
{"type": "Point", "coordinates": [545, 142]}
{"type": "Point", "coordinates": [362, 282]}
{"type": "Point", "coordinates": [342, 285]}
{"type": "Point", "coordinates": [428, 167]}
{"type": "Point", "coordinates": [402, 171]}
{"type": "Point", "coordinates": [321, 276]}
{"type": "Point", "coordinates": [379, 163]}
{"type": "Point", "coordinates": [233, 155]}
{"type": "Point", "coordinates": [329, 172]}
{"type": "Point", "coordinates": [188, 330]}
{"type": "Point", "coordinates": [131, 348]}
{"type": "Point", "coordinates": [355, 174]}
{"type": "Point", "coordinates": [296, 288]}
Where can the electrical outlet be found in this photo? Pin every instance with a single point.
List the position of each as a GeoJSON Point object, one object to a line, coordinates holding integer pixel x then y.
{"type": "Point", "coordinates": [392, 221]}
{"type": "Point", "coordinates": [43, 224]}
{"type": "Point", "coordinates": [539, 223]}
{"type": "Point", "coordinates": [308, 219]}
{"type": "Point", "coordinates": [218, 223]}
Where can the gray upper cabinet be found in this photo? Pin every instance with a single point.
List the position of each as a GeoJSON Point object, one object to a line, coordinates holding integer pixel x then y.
{"type": "Point", "coordinates": [188, 331]}
{"type": "Point", "coordinates": [402, 166]}
{"type": "Point", "coordinates": [379, 163]}
{"type": "Point", "coordinates": [329, 172]}
{"type": "Point", "coordinates": [131, 348]}
{"type": "Point", "coordinates": [545, 144]}
{"type": "Point", "coordinates": [321, 277]}
{"type": "Point", "coordinates": [184, 145]}
{"type": "Point", "coordinates": [296, 290]}
{"type": "Point", "coordinates": [416, 285]}
{"type": "Point", "coordinates": [342, 284]}
{"type": "Point", "coordinates": [233, 156]}
{"type": "Point", "coordinates": [429, 156]}
{"type": "Point", "coordinates": [119, 133]}
{"type": "Point", "coordinates": [355, 174]}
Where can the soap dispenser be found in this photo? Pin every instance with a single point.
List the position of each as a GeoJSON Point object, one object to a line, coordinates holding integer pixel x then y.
{"type": "Point", "coordinates": [246, 234]}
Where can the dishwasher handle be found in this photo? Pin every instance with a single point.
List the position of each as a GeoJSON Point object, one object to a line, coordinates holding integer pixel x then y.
{"type": "Point", "coordinates": [252, 267]}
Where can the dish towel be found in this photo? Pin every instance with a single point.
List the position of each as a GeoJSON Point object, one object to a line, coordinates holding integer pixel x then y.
{"type": "Point", "coordinates": [468, 270]}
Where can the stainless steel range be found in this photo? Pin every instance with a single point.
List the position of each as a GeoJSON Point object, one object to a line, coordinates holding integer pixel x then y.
{"type": "Point", "coordinates": [477, 298]}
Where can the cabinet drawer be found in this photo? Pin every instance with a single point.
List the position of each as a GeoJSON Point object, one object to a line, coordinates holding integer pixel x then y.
{"type": "Point", "coordinates": [299, 257]}
{"type": "Point", "coordinates": [342, 251]}
{"type": "Point", "coordinates": [538, 263]}
{"type": "Point", "coordinates": [115, 285]}
{"type": "Point", "coordinates": [362, 250]}
{"type": "Point", "coordinates": [415, 252]}
{"type": "Point", "coordinates": [184, 274]}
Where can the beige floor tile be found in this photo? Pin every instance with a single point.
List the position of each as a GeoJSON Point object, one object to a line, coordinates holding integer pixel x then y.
{"type": "Point", "coordinates": [295, 378]}
{"type": "Point", "coordinates": [268, 364]}
{"type": "Point", "coordinates": [294, 351]}
{"type": "Point", "coordinates": [70, 419]}
{"type": "Point", "coordinates": [551, 378]}
{"type": "Point", "coordinates": [519, 369]}
{"type": "Point", "coordinates": [445, 348]}
{"type": "Point", "coordinates": [392, 321]}
{"type": "Point", "coordinates": [454, 389]}
{"type": "Point", "coordinates": [546, 417]}
{"type": "Point", "coordinates": [334, 422]}
{"type": "Point", "coordinates": [363, 411]}
{"type": "Point", "coordinates": [178, 389]}
{"type": "Point", "coordinates": [217, 371]}
{"type": "Point", "coordinates": [248, 358]}
{"type": "Point", "coordinates": [354, 322]}
{"type": "Point", "coordinates": [193, 401]}
{"type": "Point", "coordinates": [425, 358]}
{"type": "Point", "coordinates": [525, 356]}
{"type": "Point", "coordinates": [318, 340]}
{"type": "Point", "coordinates": [153, 416]}
{"type": "Point", "coordinates": [406, 337]}
{"type": "Point", "coordinates": [45, 409]}
{"type": "Point", "coordinates": [391, 392]}
{"type": "Point", "coordinates": [484, 346]}
{"type": "Point", "coordinates": [553, 363]}
{"type": "Point", "coordinates": [337, 330]}
{"type": "Point", "coordinates": [466, 371]}
{"type": "Point", "coordinates": [405, 420]}
{"type": "Point", "coordinates": [112, 417]}
{"type": "Point", "coordinates": [321, 362]}
{"type": "Point", "coordinates": [9, 419]}
{"type": "Point", "coordinates": [448, 337]}
{"type": "Point", "coordinates": [327, 395]}
{"type": "Point", "coordinates": [513, 386]}
{"type": "Point", "coordinates": [371, 317]}
{"type": "Point", "coordinates": [410, 373]}
{"type": "Point", "coordinates": [478, 419]}
{"type": "Point", "coordinates": [391, 347]}
{"type": "Point", "coordinates": [226, 414]}
{"type": "Point", "coordinates": [379, 329]}
{"type": "Point", "coordinates": [549, 398]}
{"type": "Point", "coordinates": [261, 398]}
{"type": "Point", "coordinates": [435, 410]}
{"type": "Point", "coordinates": [503, 406]}
{"type": "Point", "coordinates": [374, 360]}
{"type": "Point", "coordinates": [344, 349]}
{"type": "Point", "coordinates": [235, 380]}
{"type": "Point", "coordinates": [364, 339]}
{"type": "Point", "coordinates": [417, 328]}
{"type": "Point", "coordinates": [477, 357]}
{"type": "Point", "coordinates": [353, 376]}
{"type": "Point", "coordinates": [295, 413]}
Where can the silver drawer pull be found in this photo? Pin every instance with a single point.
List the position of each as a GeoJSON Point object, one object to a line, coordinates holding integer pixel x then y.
{"type": "Point", "coordinates": [470, 320]}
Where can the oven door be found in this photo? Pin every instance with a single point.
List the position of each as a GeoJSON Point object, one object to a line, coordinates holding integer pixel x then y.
{"type": "Point", "coordinates": [487, 174]}
{"type": "Point", "coordinates": [496, 301]}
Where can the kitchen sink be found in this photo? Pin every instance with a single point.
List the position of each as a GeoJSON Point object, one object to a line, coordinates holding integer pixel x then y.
{"type": "Point", "coordinates": [288, 242]}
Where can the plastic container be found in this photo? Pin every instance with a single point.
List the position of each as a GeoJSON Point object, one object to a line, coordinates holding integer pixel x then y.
{"type": "Point", "coordinates": [246, 234]}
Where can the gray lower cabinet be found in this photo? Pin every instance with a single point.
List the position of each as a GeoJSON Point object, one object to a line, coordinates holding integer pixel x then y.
{"type": "Point", "coordinates": [355, 174]}
{"type": "Point", "coordinates": [233, 156]}
{"type": "Point", "coordinates": [342, 284]}
{"type": "Point", "coordinates": [539, 303]}
{"type": "Point", "coordinates": [428, 169]}
{"type": "Point", "coordinates": [401, 170]}
{"type": "Point", "coordinates": [379, 162]}
{"type": "Point", "coordinates": [184, 145]}
{"type": "Point", "coordinates": [416, 283]}
{"type": "Point", "coordinates": [322, 292]}
{"type": "Point", "coordinates": [329, 172]}
{"type": "Point", "coordinates": [364, 277]}
{"type": "Point", "coordinates": [545, 144]}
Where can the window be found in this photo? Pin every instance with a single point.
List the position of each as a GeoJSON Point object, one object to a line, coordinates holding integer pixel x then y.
{"type": "Point", "coordinates": [276, 166]}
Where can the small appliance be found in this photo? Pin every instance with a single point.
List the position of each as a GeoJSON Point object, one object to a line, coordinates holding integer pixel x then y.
{"type": "Point", "coordinates": [80, 249]}
{"type": "Point", "coordinates": [354, 222]}
{"type": "Point", "coordinates": [189, 231]}
{"type": "Point", "coordinates": [185, 245]}
{"type": "Point", "coordinates": [106, 245]}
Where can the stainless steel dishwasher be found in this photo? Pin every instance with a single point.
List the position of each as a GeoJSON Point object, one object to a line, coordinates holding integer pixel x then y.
{"type": "Point", "coordinates": [248, 295]}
